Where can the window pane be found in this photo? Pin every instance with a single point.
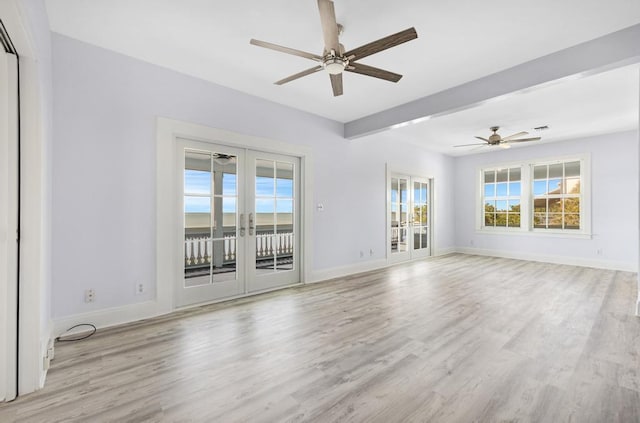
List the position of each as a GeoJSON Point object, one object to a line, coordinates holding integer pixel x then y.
{"type": "Point", "coordinates": [404, 195]}
{"type": "Point", "coordinates": [514, 189]}
{"type": "Point", "coordinates": [540, 187]}
{"type": "Point", "coordinates": [555, 186]}
{"type": "Point", "coordinates": [540, 205]}
{"type": "Point", "coordinates": [572, 221]}
{"type": "Point", "coordinates": [572, 205]}
{"type": "Point", "coordinates": [489, 206]}
{"type": "Point", "coordinates": [501, 206]}
{"type": "Point", "coordinates": [489, 190]}
{"type": "Point", "coordinates": [265, 181]}
{"type": "Point", "coordinates": [501, 189]}
{"type": "Point", "coordinates": [197, 204]}
{"type": "Point", "coordinates": [514, 220]}
{"type": "Point", "coordinates": [555, 221]}
{"type": "Point", "coordinates": [514, 206]}
{"type": "Point", "coordinates": [197, 182]}
{"type": "Point", "coordinates": [502, 175]}
{"type": "Point", "coordinates": [555, 205]}
{"type": "Point", "coordinates": [501, 219]}
{"type": "Point", "coordinates": [572, 169]}
{"type": "Point", "coordinates": [229, 184]}
{"type": "Point", "coordinates": [489, 176]}
{"type": "Point", "coordinates": [394, 190]}
{"type": "Point", "coordinates": [489, 219]}
{"type": "Point", "coordinates": [555, 170]}
{"type": "Point", "coordinates": [416, 193]}
{"type": "Point", "coordinates": [514, 174]}
{"type": "Point", "coordinates": [572, 186]}
{"type": "Point", "coordinates": [539, 220]}
{"type": "Point", "coordinates": [540, 172]}
{"type": "Point", "coordinates": [284, 179]}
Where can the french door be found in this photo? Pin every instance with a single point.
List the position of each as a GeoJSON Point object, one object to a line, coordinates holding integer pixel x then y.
{"type": "Point", "coordinates": [408, 217]}
{"type": "Point", "coordinates": [241, 221]}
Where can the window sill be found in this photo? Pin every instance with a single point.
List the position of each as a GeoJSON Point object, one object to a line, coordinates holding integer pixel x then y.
{"type": "Point", "coordinates": [536, 233]}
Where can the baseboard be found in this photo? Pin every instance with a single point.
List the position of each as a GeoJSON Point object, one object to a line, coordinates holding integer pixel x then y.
{"type": "Point", "coordinates": [341, 271]}
{"type": "Point", "coordinates": [110, 316]}
{"type": "Point", "coordinates": [444, 251]}
{"type": "Point", "coordinates": [572, 261]}
{"type": "Point", "coordinates": [45, 341]}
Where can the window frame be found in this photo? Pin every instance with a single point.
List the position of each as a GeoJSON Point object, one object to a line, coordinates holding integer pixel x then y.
{"type": "Point", "coordinates": [527, 198]}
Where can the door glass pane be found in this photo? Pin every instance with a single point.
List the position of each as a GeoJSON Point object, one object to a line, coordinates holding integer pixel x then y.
{"type": "Point", "coordinates": [274, 216]}
{"type": "Point", "coordinates": [265, 179]}
{"type": "Point", "coordinates": [284, 180]}
{"type": "Point", "coordinates": [197, 218]}
{"type": "Point", "coordinates": [419, 238]}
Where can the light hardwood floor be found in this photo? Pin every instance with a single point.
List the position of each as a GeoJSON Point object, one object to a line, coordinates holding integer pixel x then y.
{"type": "Point", "coordinates": [457, 338]}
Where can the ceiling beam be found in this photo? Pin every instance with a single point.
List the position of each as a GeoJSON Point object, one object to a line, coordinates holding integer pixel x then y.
{"type": "Point", "coordinates": [607, 52]}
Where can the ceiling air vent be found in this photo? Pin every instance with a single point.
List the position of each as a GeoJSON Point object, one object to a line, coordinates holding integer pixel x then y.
{"type": "Point", "coordinates": [541, 128]}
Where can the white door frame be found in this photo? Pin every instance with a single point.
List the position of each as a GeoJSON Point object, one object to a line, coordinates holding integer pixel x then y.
{"type": "Point", "coordinates": [9, 183]}
{"type": "Point", "coordinates": [410, 254]}
{"type": "Point", "coordinates": [168, 246]}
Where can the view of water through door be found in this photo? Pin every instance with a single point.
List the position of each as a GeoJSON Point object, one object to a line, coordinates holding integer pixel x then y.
{"type": "Point", "coordinates": [241, 221]}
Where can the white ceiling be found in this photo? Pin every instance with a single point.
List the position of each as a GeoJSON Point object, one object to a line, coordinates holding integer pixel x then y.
{"type": "Point", "coordinates": [458, 41]}
{"type": "Point", "coordinates": [597, 104]}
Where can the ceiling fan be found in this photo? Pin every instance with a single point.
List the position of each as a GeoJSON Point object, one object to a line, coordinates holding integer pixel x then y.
{"type": "Point", "coordinates": [496, 140]}
{"type": "Point", "coordinates": [334, 58]}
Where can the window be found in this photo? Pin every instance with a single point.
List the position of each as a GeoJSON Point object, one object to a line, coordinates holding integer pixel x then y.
{"type": "Point", "coordinates": [556, 195]}
{"type": "Point", "coordinates": [502, 189]}
{"type": "Point", "coordinates": [536, 196]}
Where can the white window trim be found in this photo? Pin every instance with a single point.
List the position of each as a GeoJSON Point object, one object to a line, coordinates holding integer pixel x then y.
{"type": "Point", "coordinates": [526, 199]}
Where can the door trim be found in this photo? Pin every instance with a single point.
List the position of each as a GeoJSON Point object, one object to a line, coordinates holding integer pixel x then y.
{"type": "Point", "coordinates": [168, 267]}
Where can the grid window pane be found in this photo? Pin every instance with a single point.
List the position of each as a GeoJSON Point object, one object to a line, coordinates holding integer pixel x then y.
{"type": "Point", "coordinates": [501, 197]}
{"type": "Point", "coordinates": [557, 206]}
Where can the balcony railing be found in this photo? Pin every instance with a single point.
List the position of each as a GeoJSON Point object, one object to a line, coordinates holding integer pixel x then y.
{"type": "Point", "coordinates": [199, 250]}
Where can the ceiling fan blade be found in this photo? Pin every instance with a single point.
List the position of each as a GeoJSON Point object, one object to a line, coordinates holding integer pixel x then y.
{"type": "Point", "coordinates": [286, 50]}
{"type": "Point", "coordinates": [519, 134]}
{"type": "Point", "coordinates": [374, 72]}
{"type": "Point", "coordinates": [382, 44]}
{"type": "Point", "coordinates": [483, 139]}
{"type": "Point", "coordinates": [469, 145]}
{"type": "Point", "coordinates": [329, 25]}
{"type": "Point", "coordinates": [299, 75]}
{"type": "Point", "coordinates": [336, 84]}
{"type": "Point", "coordinates": [523, 140]}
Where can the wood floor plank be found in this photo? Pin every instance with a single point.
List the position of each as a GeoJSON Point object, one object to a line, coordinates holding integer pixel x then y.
{"type": "Point", "coordinates": [458, 338]}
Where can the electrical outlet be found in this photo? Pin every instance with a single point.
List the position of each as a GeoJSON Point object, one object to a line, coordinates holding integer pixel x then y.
{"type": "Point", "coordinates": [599, 251]}
{"type": "Point", "coordinates": [361, 254]}
{"type": "Point", "coordinates": [140, 288]}
{"type": "Point", "coordinates": [89, 295]}
{"type": "Point", "coordinates": [371, 252]}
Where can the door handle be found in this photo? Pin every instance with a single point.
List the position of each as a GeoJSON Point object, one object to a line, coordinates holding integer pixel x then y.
{"type": "Point", "coordinates": [251, 225]}
{"type": "Point", "coordinates": [242, 229]}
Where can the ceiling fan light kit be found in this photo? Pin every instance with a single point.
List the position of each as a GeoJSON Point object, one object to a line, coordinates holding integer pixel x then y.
{"type": "Point", "coordinates": [334, 58]}
{"type": "Point", "coordinates": [335, 65]}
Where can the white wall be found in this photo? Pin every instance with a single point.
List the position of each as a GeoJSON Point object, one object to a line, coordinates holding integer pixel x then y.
{"type": "Point", "coordinates": [614, 196]}
{"type": "Point", "coordinates": [104, 172]}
